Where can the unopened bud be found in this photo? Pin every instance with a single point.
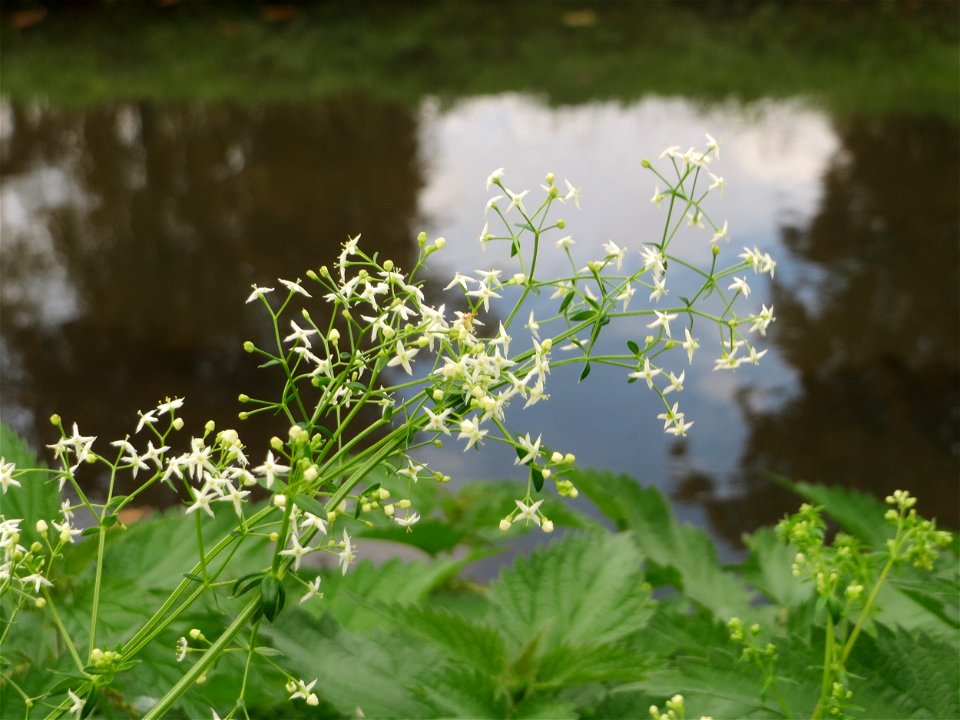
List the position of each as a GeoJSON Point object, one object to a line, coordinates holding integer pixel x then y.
{"type": "Point", "coordinates": [248, 346]}
{"type": "Point", "coordinates": [276, 443]}
{"type": "Point", "coordinates": [178, 424]}
{"type": "Point", "coordinates": [312, 275]}
{"type": "Point", "coordinates": [243, 397]}
{"type": "Point", "coordinates": [280, 500]}
{"type": "Point", "coordinates": [55, 420]}
{"type": "Point", "coordinates": [388, 510]}
{"type": "Point", "coordinates": [547, 526]}
{"type": "Point", "coordinates": [334, 336]}
{"type": "Point", "coordinates": [41, 526]}
{"type": "Point", "coordinates": [504, 524]}
{"type": "Point", "coordinates": [388, 265]}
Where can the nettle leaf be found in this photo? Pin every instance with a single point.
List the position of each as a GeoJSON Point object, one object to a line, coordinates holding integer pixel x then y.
{"type": "Point", "coordinates": [907, 674]}
{"type": "Point", "coordinates": [37, 497]}
{"type": "Point", "coordinates": [374, 671]}
{"type": "Point", "coordinates": [768, 568]}
{"type": "Point", "coordinates": [680, 547]}
{"type": "Point", "coordinates": [859, 514]}
{"type": "Point", "coordinates": [583, 590]}
{"type": "Point", "coordinates": [431, 536]}
{"type": "Point", "coordinates": [473, 643]}
{"type": "Point", "coordinates": [569, 665]}
{"type": "Point", "coordinates": [356, 600]}
{"type": "Point", "coordinates": [457, 692]}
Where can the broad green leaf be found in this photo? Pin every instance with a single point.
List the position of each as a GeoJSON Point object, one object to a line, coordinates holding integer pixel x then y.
{"type": "Point", "coordinates": [37, 497]}
{"type": "Point", "coordinates": [906, 674]}
{"type": "Point", "coordinates": [457, 692]}
{"type": "Point", "coordinates": [356, 599]}
{"type": "Point", "coordinates": [432, 536]}
{"type": "Point", "coordinates": [582, 590]}
{"type": "Point", "coordinates": [475, 644]}
{"type": "Point", "coordinates": [666, 542]}
{"type": "Point", "coordinates": [768, 568]}
{"type": "Point", "coordinates": [373, 671]}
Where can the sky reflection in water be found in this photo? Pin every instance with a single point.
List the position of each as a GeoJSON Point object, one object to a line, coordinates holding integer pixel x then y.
{"type": "Point", "coordinates": [131, 235]}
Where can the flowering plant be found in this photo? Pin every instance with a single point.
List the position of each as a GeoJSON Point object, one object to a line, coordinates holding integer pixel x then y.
{"type": "Point", "coordinates": [376, 374]}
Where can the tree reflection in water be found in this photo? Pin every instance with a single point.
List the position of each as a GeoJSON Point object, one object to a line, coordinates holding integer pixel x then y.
{"type": "Point", "coordinates": [874, 342]}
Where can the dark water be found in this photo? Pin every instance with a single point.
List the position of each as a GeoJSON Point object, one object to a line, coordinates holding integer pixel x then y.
{"type": "Point", "coordinates": [131, 234]}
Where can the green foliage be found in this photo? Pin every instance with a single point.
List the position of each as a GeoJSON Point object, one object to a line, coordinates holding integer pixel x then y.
{"type": "Point", "coordinates": [37, 497]}
{"type": "Point", "coordinates": [571, 631]}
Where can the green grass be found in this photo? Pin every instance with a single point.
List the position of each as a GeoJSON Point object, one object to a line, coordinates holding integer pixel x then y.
{"type": "Point", "coordinates": [850, 58]}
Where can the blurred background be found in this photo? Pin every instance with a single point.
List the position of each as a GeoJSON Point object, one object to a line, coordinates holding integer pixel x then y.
{"type": "Point", "coordinates": [159, 157]}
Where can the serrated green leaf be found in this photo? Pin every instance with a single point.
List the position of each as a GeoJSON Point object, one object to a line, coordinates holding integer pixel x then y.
{"type": "Point", "coordinates": [768, 568]}
{"type": "Point", "coordinates": [374, 672]}
{"type": "Point", "coordinates": [583, 590]}
{"type": "Point", "coordinates": [37, 497]}
{"type": "Point", "coordinates": [666, 542]}
{"type": "Point", "coordinates": [907, 674]}
{"type": "Point", "coordinates": [356, 599]}
{"type": "Point", "coordinates": [478, 645]}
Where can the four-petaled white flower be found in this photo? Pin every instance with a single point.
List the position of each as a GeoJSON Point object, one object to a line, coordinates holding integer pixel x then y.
{"type": "Point", "coordinates": [470, 429]}
{"type": "Point", "coordinates": [647, 373]}
{"type": "Point", "coordinates": [313, 590]}
{"type": "Point", "coordinates": [347, 553]}
{"type": "Point", "coordinates": [721, 233]}
{"type": "Point", "coordinates": [76, 704]}
{"type": "Point", "coordinates": [258, 292]}
{"type": "Point", "coordinates": [573, 193]}
{"type": "Point", "coordinates": [6, 476]}
{"type": "Point", "coordinates": [403, 357]}
{"type": "Point", "coordinates": [663, 321]}
{"type": "Point", "coordinates": [690, 344]}
{"type": "Point", "coordinates": [294, 287]}
{"type": "Point", "coordinates": [528, 512]}
{"type": "Point", "coordinates": [530, 447]}
{"type": "Point", "coordinates": [763, 320]}
{"type": "Point", "coordinates": [494, 177]}
{"type": "Point", "coordinates": [270, 469]}
{"type": "Point", "coordinates": [740, 285]}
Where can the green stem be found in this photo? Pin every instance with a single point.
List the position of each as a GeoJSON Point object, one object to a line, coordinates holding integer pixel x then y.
{"type": "Point", "coordinates": [205, 662]}
{"type": "Point", "coordinates": [58, 621]}
{"type": "Point", "coordinates": [828, 652]}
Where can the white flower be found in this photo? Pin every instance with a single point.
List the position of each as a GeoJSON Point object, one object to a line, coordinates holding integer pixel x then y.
{"type": "Point", "coordinates": [294, 287]}
{"type": "Point", "coordinates": [663, 321]}
{"type": "Point", "coordinates": [690, 345]}
{"type": "Point", "coordinates": [258, 292]}
{"type": "Point", "coordinates": [6, 475]}
{"type": "Point", "coordinates": [676, 383]}
{"type": "Point", "coordinates": [531, 448]}
{"type": "Point", "coordinates": [615, 252]}
{"type": "Point", "coordinates": [303, 689]}
{"type": "Point", "coordinates": [533, 326]}
{"type": "Point", "coordinates": [679, 427]}
{"type": "Point", "coordinates": [37, 579]}
{"type": "Point", "coordinates": [347, 554]}
{"type": "Point", "coordinates": [565, 242]}
{"type": "Point", "coordinates": [403, 357]}
{"type": "Point", "coordinates": [740, 285]}
{"type": "Point", "coordinates": [271, 469]}
{"type": "Point", "coordinates": [146, 418]}
{"type": "Point", "coordinates": [470, 429]}
{"type": "Point", "coordinates": [713, 145]}
{"type": "Point", "coordinates": [528, 512]}
{"type": "Point", "coordinates": [494, 177]}
{"type": "Point", "coordinates": [296, 551]}
{"type": "Point", "coordinates": [573, 193]}
{"type": "Point", "coordinates": [201, 501]}
{"type": "Point", "coordinates": [437, 420]}
{"type": "Point", "coordinates": [170, 405]}
{"type": "Point", "coordinates": [77, 704]}
{"type": "Point", "coordinates": [313, 590]}
{"type": "Point", "coordinates": [516, 201]}
{"type": "Point", "coordinates": [717, 183]}
{"type": "Point", "coordinates": [763, 320]}
{"type": "Point", "coordinates": [720, 234]}
{"type": "Point", "coordinates": [657, 196]}
{"type": "Point", "coordinates": [659, 288]}
{"type": "Point", "coordinates": [647, 373]}
{"type": "Point", "coordinates": [407, 519]}
{"type": "Point", "coordinates": [299, 334]}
